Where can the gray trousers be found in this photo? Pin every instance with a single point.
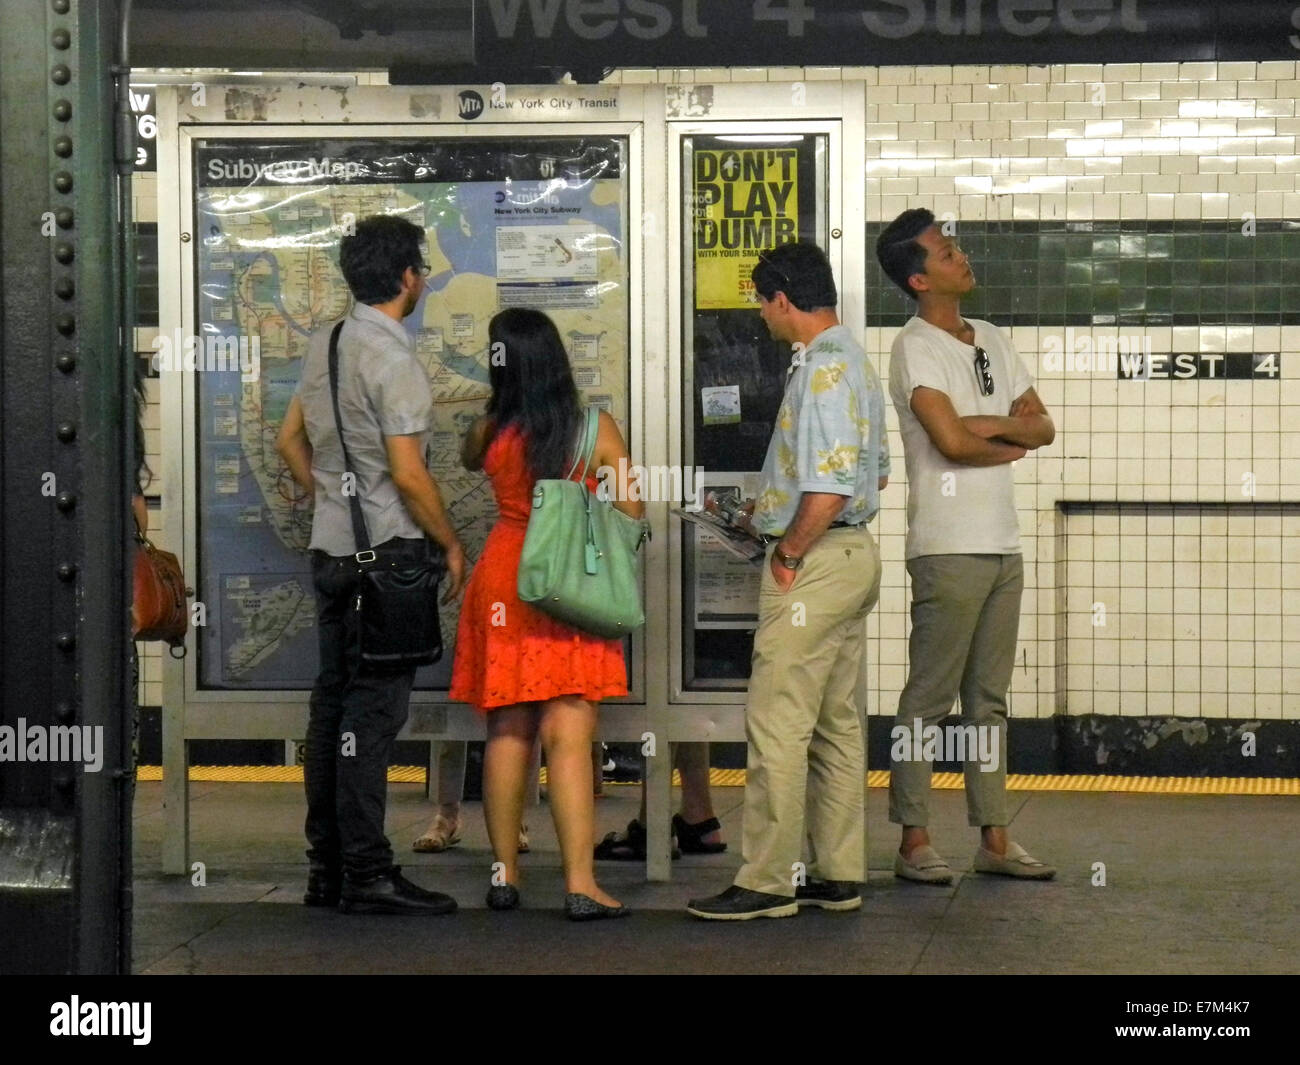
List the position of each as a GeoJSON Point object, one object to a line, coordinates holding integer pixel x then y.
{"type": "Point", "coordinates": [965, 625]}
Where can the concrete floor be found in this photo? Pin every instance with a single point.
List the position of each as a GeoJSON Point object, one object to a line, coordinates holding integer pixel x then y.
{"type": "Point", "coordinates": [1193, 885]}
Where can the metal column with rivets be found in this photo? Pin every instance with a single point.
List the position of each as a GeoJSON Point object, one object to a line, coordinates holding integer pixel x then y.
{"type": "Point", "coordinates": [65, 456]}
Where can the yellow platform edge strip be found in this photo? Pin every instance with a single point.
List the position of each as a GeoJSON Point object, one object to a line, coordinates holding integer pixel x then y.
{"type": "Point", "coordinates": [876, 778]}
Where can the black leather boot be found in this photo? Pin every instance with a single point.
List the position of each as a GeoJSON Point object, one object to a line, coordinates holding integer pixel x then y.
{"type": "Point", "coordinates": [324, 886]}
{"type": "Point", "coordinates": [391, 892]}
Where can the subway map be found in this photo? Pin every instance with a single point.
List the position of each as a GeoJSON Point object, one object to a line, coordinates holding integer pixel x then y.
{"type": "Point", "coordinates": [267, 272]}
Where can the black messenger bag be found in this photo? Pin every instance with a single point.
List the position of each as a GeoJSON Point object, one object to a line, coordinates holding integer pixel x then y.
{"type": "Point", "coordinates": [397, 602]}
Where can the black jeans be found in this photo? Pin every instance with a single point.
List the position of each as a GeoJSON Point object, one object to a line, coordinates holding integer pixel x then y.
{"type": "Point", "coordinates": [356, 713]}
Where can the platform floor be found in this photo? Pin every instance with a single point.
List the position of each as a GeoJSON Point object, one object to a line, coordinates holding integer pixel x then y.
{"type": "Point", "coordinates": [1194, 884]}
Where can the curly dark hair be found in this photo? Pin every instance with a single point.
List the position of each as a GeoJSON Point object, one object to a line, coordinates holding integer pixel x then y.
{"type": "Point", "coordinates": [374, 258]}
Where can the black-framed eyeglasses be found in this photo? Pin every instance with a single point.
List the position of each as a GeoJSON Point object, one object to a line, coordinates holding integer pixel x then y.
{"type": "Point", "coordinates": [982, 372]}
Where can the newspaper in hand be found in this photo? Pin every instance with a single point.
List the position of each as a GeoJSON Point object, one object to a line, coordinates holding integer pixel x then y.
{"type": "Point", "coordinates": [721, 518]}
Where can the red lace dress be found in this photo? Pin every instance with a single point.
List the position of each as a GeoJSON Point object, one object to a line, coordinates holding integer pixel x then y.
{"type": "Point", "coordinates": [526, 656]}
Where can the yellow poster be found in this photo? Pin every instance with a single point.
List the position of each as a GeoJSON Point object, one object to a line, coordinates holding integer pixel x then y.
{"type": "Point", "coordinates": [745, 200]}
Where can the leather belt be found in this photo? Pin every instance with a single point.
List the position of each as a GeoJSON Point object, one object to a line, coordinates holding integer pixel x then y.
{"type": "Point", "coordinates": [771, 539]}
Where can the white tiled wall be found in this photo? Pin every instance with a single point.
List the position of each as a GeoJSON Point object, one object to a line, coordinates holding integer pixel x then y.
{"type": "Point", "coordinates": [1170, 611]}
{"type": "Point", "coordinates": [1156, 141]}
{"type": "Point", "coordinates": [1080, 142]}
{"type": "Point", "coordinates": [1076, 143]}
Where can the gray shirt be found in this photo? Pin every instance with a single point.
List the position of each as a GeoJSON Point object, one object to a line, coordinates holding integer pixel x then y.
{"type": "Point", "coordinates": [383, 391]}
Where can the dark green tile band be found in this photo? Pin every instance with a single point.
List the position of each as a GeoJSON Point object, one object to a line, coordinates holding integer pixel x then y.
{"type": "Point", "coordinates": [1130, 272]}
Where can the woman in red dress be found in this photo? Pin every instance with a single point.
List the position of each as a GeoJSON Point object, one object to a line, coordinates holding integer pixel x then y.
{"type": "Point", "coordinates": [530, 674]}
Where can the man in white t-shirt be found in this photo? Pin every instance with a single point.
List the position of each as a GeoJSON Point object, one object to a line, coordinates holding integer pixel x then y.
{"type": "Point", "coordinates": [967, 410]}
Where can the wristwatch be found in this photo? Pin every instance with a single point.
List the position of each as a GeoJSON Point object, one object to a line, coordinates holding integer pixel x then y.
{"type": "Point", "coordinates": [788, 561]}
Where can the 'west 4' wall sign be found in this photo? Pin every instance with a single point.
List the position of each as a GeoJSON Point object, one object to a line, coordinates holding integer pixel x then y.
{"type": "Point", "coordinates": [1201, 366]}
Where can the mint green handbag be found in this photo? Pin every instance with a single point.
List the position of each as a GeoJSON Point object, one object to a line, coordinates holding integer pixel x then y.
{"type": "Point", "coordinates": [579, 563]}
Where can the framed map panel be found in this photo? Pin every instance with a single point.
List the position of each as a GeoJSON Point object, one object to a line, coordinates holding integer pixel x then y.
{"type": "Point", "coordinates": [535, 221]}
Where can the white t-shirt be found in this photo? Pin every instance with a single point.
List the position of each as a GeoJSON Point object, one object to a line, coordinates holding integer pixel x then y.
{"type": "Point", "coordinates": [953, 509]}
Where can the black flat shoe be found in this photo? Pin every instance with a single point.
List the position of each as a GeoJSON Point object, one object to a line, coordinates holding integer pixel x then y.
{"type": "Point", "coordinates": [583, 908]}
{"type": "Point", "coordinates": [691, 837]}
{"type": "Point", "coordinates": [503, 897]}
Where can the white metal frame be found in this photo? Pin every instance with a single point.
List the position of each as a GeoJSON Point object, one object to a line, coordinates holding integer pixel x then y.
{"type": "Point", "coordinates": [704, 714]}
{"type": "Point", "coordinates": [190, 712]}
{"type": "Point", "coordinates": [839, 111]}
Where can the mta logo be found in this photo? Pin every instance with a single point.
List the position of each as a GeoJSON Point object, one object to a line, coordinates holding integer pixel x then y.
{"type": "Point", "coordinates": [470, 104]}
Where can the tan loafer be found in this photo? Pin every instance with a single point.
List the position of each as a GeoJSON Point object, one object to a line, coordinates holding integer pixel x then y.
{"type": "Point", "coordinates": [924, 866]}
{"type": "Point", "coordinates": [1016, 862]}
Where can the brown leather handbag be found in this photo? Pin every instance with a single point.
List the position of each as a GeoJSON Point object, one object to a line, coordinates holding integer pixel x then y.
{"type": "Point", "coordinates": [159, 609]}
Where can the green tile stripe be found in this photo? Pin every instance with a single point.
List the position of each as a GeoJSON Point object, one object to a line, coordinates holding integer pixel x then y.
{"type": "Point", "coordinates": [1129, 272]}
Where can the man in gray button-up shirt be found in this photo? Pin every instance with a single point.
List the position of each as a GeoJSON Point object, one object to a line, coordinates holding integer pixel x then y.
{"type": "Point", "coordinates": [386, 406]}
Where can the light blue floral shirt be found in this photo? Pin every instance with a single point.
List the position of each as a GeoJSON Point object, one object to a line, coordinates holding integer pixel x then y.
{"type": "Point", "coordinates": [829, 435]}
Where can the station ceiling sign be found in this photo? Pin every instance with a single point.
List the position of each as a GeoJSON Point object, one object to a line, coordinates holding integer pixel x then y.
{"type": "Point", "coordinates": [667, 33]}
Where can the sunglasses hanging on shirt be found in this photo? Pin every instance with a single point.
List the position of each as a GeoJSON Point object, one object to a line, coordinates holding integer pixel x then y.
{"type": "Point", "coordinates": [982, 372]}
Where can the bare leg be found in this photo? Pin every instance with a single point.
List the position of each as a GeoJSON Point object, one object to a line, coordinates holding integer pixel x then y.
{"type": "Point", "coordinates": [445, 824]}
{"type": "Point", "coordinates": [567, 727]}
{"type": "Point", "coordinates": [534, 771]}
{"type": "Point", "coordinates": [994, 839]}
{"type": "Point", "coordinates": [451, 778]}
{"type": "Point", "coordinates": [913, 837]}
{"type": "Point", "coordinates": [451, 785]}
{"type": "Point", "coordinates": [692, 762]}
{"type": "Point", "coordinates": [506, 761]}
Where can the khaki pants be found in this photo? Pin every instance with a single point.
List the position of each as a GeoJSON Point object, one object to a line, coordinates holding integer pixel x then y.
{"type": "Point", "coordinates": [803, 723]}
{"type": "Point", "coordinates": [965, 625]}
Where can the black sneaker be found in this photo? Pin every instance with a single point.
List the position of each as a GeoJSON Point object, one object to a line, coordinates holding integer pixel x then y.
{"type": "Point", "coordinates": [391, 892]}
{"type": "Point", "coordinates": [740, 904]}
{"type": "Point", "coordinates": [829, 895]}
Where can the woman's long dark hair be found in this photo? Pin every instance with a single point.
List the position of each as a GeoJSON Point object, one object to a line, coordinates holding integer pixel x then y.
{"type": "Point", "coordinates": [533, 388]}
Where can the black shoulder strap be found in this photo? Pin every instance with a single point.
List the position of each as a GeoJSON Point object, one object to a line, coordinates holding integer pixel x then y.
{"type": "Point", "coordinates": [359, 532]}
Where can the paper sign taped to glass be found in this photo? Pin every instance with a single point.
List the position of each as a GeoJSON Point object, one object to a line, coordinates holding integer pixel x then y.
{"type": "Point", "coordinates": [746, 200]}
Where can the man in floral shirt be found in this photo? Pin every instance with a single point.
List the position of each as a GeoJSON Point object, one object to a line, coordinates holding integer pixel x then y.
{"type": "Point", "coordinates": [826, 464]}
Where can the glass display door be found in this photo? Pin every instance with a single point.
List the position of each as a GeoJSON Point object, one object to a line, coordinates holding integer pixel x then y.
{"type": "Point", "coordinates": [743, 190]}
